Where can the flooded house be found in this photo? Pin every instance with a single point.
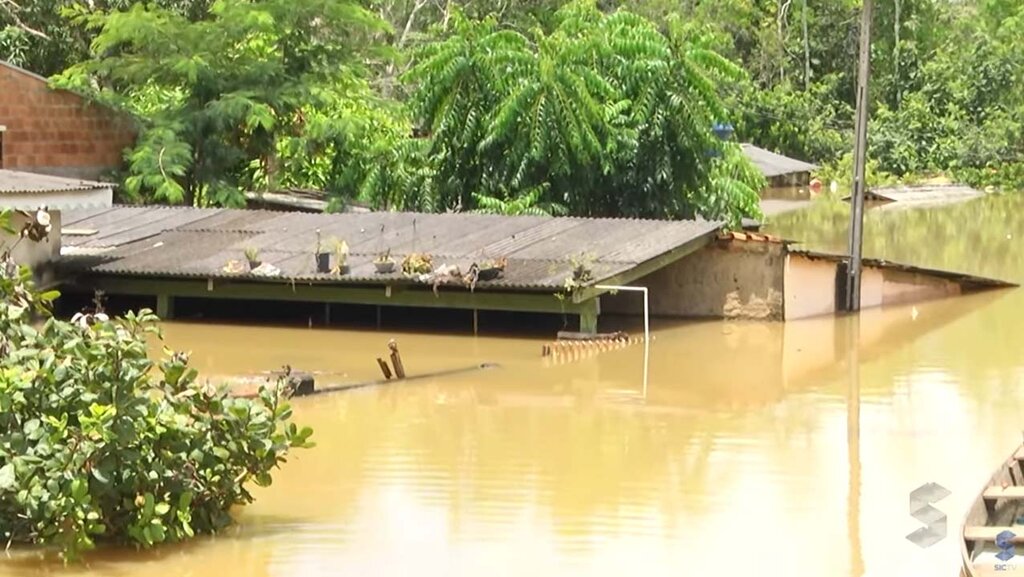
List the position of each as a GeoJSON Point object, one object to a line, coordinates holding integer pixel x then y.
{"type": "Point", "coordinates": [781, 171]}
{"type": "Point", "coordinates": [582, 267]}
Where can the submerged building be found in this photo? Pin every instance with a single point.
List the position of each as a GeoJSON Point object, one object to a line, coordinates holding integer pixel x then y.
{"type": "Point", "coordinates": [477, 262]}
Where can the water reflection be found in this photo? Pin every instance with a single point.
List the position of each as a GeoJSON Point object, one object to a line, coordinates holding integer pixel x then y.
{"type": "Point", "coordinates": [731, 464]}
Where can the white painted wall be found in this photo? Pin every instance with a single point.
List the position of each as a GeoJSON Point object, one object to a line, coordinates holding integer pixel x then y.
{"type": "Point", "coordinates": [809, 287]}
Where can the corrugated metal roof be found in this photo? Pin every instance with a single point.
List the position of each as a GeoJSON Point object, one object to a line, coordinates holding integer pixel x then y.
{"type": "Point", "coordinates": [188, 242]}
{"type": "Point", "coordinates": [968, 281]}
{"type": "Point", "coordinates": [771, 164]}
{"type": "Point", "coordinates": [922, 193]}
{"type": "Point", "coordinates": [18, 182]}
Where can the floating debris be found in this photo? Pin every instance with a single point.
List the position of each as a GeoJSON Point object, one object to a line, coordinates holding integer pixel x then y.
{"type": "Point", "coordinates": [266, 269]}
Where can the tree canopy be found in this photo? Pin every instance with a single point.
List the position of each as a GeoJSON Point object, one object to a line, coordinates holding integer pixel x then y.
{"type": "Point", "coordinates": [599, 107]}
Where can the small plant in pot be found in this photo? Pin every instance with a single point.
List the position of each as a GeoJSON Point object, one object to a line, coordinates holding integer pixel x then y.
{"type": "Point", "coordinates": [340, 249]}
{"type": "Point", "coordinates": [491, 269]}
{"type": "Point", "coordinates": [418, 263]}
{"type": "Point", "coordinates": [384, 263]}
{"type": "Point", "coordinates": [252, 255]}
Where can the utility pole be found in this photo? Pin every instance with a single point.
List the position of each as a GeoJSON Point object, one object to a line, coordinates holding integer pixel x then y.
{"type": "Point", "coordinates": [859, 160]}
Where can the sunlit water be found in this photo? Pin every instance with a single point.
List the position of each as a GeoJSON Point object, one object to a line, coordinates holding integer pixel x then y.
{"type": "Point", "coordinates": [757, 450]}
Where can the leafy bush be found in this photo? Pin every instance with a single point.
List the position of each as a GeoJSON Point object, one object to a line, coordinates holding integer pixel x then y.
{"type": "Point", "coordinates": [94, 446]}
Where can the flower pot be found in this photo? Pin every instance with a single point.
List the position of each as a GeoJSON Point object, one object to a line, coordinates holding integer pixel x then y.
{"type": "Point", "coordinates": [254, 264]}
{"type": "Point", "coordinates": [488, 273]}
{"type": "Point", "coordinates": [323, 262]}
{"type": "Point", "coordinates": [384, 266]}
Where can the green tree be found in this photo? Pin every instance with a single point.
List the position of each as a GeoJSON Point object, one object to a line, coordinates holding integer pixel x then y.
{"type": "Point", "coordinates": [96, 445]}
{"type": "Point", "coordinates": [217, 94]}
{"type": "Point", "coordinates": [47, 36]}
{"type": "Point", "coordinates": [607, 113]}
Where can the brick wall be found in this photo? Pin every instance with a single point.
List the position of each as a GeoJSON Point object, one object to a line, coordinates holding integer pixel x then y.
{"type": "Point", "coordinates": [57, 132]}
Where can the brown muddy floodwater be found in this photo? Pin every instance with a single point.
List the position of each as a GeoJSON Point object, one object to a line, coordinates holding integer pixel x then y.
{"type": "Point", "coordinates": [756, 449]}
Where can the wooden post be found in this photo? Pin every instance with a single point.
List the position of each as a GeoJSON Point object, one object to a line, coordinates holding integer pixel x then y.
{"type": "Point", "coordinates": [378, 317]}
{"type": "Point", "coordinates": [859, 162]}
{"type": "Point", "coordinates": [165, 306]}
{"type": "Point", "coordinates": [396, 359]}
{"type": "Point", "coordinates": [327, 314]}
{"type": "Point", "coordinates": [384, 368]}
{"type": "Point", "coordinates": [476, 322]}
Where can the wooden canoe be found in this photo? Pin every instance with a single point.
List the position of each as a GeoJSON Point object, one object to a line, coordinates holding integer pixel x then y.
{"type": "Point", "coordinates": [998, 508]}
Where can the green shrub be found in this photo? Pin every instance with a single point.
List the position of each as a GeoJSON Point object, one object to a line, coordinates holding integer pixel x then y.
{"type": "Point", "coordinates": [96, 445]}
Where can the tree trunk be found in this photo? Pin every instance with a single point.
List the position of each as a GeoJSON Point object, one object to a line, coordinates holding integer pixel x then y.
{"type": "Point", "coordinates": [807, 50]}
{"type": "Point", "coordinates": [896, 54]}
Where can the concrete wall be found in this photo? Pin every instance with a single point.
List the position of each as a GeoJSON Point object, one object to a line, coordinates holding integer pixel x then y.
{"type": "Point", "coordinates": [57, 132]}
{"type": "Point", "coordinates": [900, 287]}
{"type": "Point", "coordinates": [810, 287]}
{"type": "Point", "coordinates": [36, 255]}
{"type": "Point", "coordinates": [727, 280]}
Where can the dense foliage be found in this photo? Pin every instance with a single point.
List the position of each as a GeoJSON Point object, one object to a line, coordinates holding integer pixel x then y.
{"type": "Point", "coordinates": [590, 107]}
{"type": "Point", "coordinates": [218, 94]}
{"type": "Point", "coordinates": [605, 115]}
{"type": "Point", "coordinates": [96, 445]}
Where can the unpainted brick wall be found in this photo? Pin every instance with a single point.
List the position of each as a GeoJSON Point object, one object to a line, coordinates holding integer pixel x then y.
{"type": "Point", "coordinates": [57, 132]}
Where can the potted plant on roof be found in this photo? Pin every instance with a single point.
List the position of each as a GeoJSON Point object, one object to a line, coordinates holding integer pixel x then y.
{"type": "Point", "coordinates": [252, 254]}
{"type": "Point", "coordinates": [418, 263]}
{"type": "Point", "coordinates": [323, 258]}
{"type": "Point", "coordinates": [384, 263]}
{"type": "Point", "coordinates": [340, 249]}
{"type": "Point", "coordinates": [491, 269]}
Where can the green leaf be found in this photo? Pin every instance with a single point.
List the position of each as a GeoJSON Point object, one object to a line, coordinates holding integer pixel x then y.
{"type": "Point", "coordinates": [7, 478]}
{"type": "Point", "coordinates": [79, 489]}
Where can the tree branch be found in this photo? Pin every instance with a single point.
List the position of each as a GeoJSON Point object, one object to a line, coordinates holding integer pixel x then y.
{"type": "Point", "coordinates": [12, 9]}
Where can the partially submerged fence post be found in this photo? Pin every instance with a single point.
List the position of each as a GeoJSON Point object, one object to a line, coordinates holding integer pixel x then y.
{"type": "Point", "coordinates": [396, 359]}
{"type": "Point", "coordinates": [384, 368]}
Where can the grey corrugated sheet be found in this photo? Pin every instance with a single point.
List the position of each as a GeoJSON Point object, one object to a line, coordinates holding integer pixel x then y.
{"type": "Point", "coordinates": [771, 164]}
{"type": "Point", "coordinates": [922, 193]}
{"type": "Point", "coordinates": [120, 225]}
{"type": "Point", "coordinates": [184, 242]}
{"type": "Point", "coordinates": [18, 182]}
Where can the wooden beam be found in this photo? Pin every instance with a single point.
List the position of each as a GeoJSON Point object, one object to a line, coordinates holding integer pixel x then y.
{"type": "Point", "coordinates": [645, 268]}
{"type": "Point", "coordinates": [989, 533]}
{"type": "Point", "coordinates": [1011, 492]}
{"type": "Point", "coordinates": [400, 296]}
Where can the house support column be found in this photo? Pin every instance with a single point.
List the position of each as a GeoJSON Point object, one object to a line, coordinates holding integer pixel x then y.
{"type": "Point", "coordinates": [589, 312]}
{"type": "Point", "coordinates": [165, 306]}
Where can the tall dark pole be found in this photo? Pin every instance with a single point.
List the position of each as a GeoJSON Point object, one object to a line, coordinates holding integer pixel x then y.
{"type": "Point", "coordinates": [859, 160]}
